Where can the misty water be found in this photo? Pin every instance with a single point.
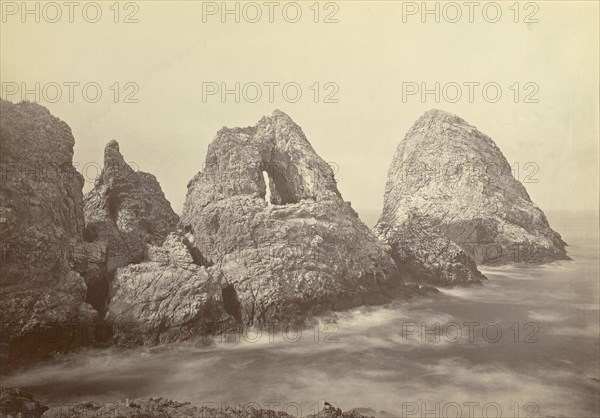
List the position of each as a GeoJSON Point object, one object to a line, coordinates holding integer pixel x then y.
{"type": "Point", "coordinates": [378, 358]}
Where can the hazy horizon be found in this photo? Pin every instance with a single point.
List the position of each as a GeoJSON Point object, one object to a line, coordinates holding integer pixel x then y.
{"type": "Point", "coordinates": [368, 54]}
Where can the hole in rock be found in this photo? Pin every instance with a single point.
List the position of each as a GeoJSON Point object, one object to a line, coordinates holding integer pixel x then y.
{"type": "Point", "coordinates": [268, 188]}
{"type": "Point", "coordinates": [279, 188]}
{"type": "Point", "coordinates": [231, 302]}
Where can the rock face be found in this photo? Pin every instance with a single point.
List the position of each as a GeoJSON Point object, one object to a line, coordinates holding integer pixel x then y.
{"type": "Point", "coordinates": [454, 178]}
{"type": "Point", "coordinates": [267, 212]}
{"type": "Point", "coordinates": [167, 298]}
{"type": "Point", "coordinates": [41, 222]}
{"type": "Point", "coordinates": [424, 254]}
{"type": "Point", "coordinates": [125, 211]}
{"type": "Point", "coordinates": [16, 403]}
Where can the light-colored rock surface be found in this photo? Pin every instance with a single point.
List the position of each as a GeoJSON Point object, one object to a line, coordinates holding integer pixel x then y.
{"type": "Point", "coordinates": [304, 251]}
{"type": "Point", "coordinates": [453, 177]}
{"type": "Point", "coordinates": [167, 298]}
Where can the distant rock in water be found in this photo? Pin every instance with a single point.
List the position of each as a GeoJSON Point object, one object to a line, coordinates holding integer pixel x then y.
{"type": "Point", "coordinates": [453, 178]}
{"type": "Point", "coordinates": [303, 251]}
{"type": "Point", "coordinates": [124, 212]}
{"type": "Point", "coordinates": [41, 223]}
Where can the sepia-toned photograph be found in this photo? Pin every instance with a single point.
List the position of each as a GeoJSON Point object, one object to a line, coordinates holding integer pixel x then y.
{"type": "Point", "coordinates": [299, 209]}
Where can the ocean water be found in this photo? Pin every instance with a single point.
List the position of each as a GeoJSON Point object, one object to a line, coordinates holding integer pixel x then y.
{"type": "Point", "coordinates": [526, 344]}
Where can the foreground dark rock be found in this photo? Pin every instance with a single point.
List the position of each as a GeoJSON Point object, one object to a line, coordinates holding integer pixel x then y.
{"type": "Point", "coordinates": [17, 403]}
{"type": "Point", "coordinates": [447, 174]}
{"type": "Point", "coordinates": [41, 225]}
{"type": "Point", "coordinates": [14, 402]}
{"type": "Point", "coordinates": [125, 211]}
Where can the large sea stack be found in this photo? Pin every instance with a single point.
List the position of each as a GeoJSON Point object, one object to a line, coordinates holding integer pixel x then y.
{"type": "Point", "coordinates": [452, 178]}
{"type": "Point", "coordinates": [267, 212]}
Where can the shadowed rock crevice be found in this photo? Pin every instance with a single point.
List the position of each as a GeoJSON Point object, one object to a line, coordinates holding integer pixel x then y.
{"type": "Point", "coordinates": [231, 302]}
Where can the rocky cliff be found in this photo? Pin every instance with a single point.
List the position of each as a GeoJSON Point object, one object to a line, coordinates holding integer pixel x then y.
{"type": "Point", "coordinates": [41, 223]}
{"type": "Point", "coordinates": [124, 212]}
{"type": "Point", "coordinates": [266, 211]}
{"type": "Point", "coordinates": [454, 178]}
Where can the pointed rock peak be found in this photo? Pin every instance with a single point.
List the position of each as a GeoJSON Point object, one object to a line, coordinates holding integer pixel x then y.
{"type": "Point", "coordinates": [442, 115]}
{"type": "Point", "coordinates": [277, 118]}
{"type": "Point", "coordinates": [112, 155]}
{"type": "Point", "coordinates": [112, 145]}
{"type": "Point", "coordinates": [279, 114]}
{"type": "Point", "coordinates": [114, 163]}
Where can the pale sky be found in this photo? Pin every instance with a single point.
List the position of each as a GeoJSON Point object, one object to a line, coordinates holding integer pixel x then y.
{"type": "Point", "coordinates": [370, 54]}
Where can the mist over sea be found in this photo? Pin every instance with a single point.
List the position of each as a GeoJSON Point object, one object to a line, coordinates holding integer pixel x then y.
{"type": "Point", "coordinates": [534, 353]}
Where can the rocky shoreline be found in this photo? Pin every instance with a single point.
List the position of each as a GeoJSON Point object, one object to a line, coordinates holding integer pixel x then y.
{"type": "Point", "coordinates": [265, 237]}
{"type": "Point", "coordinates": [16, 403]}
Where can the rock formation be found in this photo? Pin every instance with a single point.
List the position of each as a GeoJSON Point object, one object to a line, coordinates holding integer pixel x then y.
{"type": "Point", "coordinates": [302, 251]}
{"type": "Point", "coordinates": [17, 403]}
{"type": "Point", "coordinates": [14, 402]}
{"type": "Point", "coordinates": [125, 211]}
{"type": "Point", "coordinates": [423, 254]}
{"type": "Point", "coordinates": [41, 221]}
{"type": "Point", "coordinates": [453, 178]}
{"type": "Point", "coordinates": [167, 298]}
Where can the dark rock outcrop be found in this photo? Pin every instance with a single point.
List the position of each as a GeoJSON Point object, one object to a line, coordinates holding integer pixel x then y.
{"type": "Point", "coordinates": [124, 212]}
{"type": "Point", "coordinates": [266, 211]}
{"type": "Point", "coordinates": [455, 179]}
{"type": "Point", "coordinates": [41, 223]}
{"type": "Point", "coordinates": [17, 403]}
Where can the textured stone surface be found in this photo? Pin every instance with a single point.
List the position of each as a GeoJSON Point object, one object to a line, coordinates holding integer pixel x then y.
{"type": "Point", "coordinates": [302, 251]}
{"type": "Point", "coordinates": [165, 408]}
{"type": "Point", "coordinates": [453, 177]}
{"type": "Point", "coordinates": [17, 403]}
{"type": "Point", "coordinates": [125, 211]}
{"type": "Point", "coordinates": [41, 221]}
{"type": "Point", "coordinates": [424, 254]}
{"type": "Point", "coordinates": [167, 298]}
